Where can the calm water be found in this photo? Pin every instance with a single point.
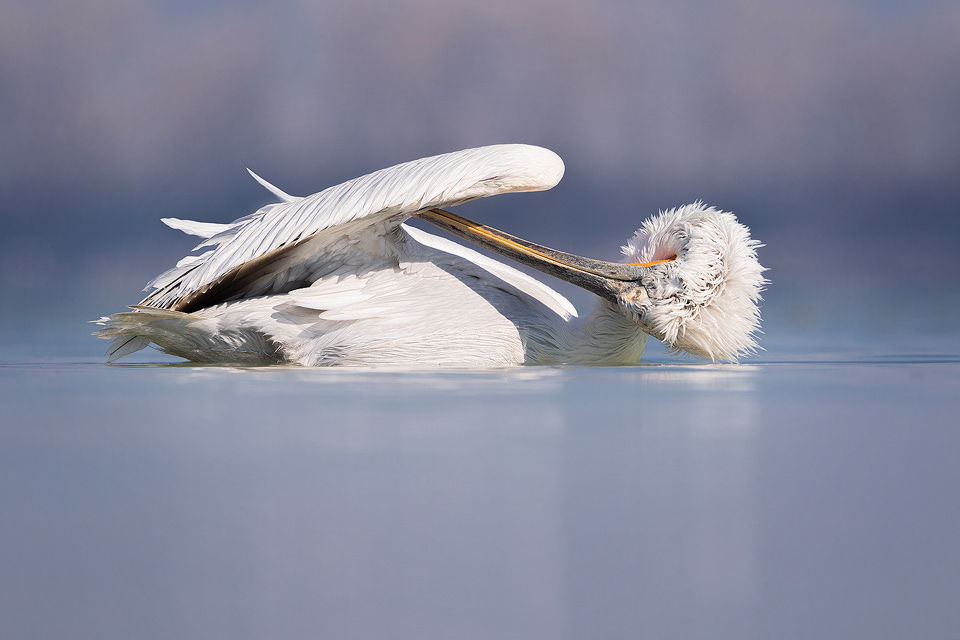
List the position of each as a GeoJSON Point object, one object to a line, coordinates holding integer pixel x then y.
{"type": "Point", "coordinates": [812, 497]}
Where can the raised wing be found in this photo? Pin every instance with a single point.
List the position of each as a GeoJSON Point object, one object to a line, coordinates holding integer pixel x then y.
{"type": "Point", "coordinates": [259, 252]}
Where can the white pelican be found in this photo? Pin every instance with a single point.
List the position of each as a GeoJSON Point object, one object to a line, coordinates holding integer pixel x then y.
{"type": "Point", "coordinates": [336, 278]}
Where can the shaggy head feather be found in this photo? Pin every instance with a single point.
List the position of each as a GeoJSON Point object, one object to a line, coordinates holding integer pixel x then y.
{"type": "Point", "coordinates": [704, 300]}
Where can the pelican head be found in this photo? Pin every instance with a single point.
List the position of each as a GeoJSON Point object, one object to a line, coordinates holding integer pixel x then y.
{"type": "Point", "coordinates": [690, 277]}
{"type": "Point", "coordinates": [702, 288]}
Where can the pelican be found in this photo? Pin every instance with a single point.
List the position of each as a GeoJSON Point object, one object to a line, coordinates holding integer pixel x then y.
{"type": "Point", "coordinates": [337, 278]}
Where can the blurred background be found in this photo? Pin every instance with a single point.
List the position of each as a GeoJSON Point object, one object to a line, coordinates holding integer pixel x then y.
{"type": "Point", "coordinates": [831, 128]}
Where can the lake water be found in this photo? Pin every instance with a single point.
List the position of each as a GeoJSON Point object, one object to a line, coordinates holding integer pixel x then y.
{"type": "Point", "coordinates": [802, 495]}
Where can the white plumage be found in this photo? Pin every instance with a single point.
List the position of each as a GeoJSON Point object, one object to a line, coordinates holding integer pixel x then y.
{"type": "Point", "coordinates": [702, 298]}
{"type": "Point", "coordinates": [336, 279]}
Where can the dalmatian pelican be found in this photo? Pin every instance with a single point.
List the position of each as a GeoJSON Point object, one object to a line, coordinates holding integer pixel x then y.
{"type": "Point", "coordinates": [337, 278]}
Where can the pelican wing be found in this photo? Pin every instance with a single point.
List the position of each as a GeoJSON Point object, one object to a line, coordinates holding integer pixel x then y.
{"type": "Point", "coordinates": [261, 252]}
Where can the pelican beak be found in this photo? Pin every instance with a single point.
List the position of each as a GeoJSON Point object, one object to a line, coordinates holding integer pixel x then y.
{"type": "Point", "coordinates": [606, 279]}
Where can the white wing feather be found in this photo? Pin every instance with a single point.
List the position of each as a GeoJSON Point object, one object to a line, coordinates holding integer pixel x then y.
{"type": "Point", "coordinates": [282, 195]}
{"type": "Point", "coordinates": [527, 284]}
{"type": "Point", "coordinates": [193, 228]}
{"type": "Point", "coordinates": [391, 194]}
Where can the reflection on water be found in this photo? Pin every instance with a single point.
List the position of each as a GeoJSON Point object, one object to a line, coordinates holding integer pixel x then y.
{"type": "Point", "coordinates": [781, 499]}
{"type": "Point", "coordinates": [516, 379]}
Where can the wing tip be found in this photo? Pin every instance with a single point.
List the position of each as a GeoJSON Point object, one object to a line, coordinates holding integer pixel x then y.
{"type": "Point", "coordinates": [279, 193]}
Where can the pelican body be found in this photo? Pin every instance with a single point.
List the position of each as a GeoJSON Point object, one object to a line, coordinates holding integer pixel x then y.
{"type": "Point", "coordinates": [337, 278]}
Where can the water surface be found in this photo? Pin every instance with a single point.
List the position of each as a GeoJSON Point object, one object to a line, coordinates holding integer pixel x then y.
{"type": "Point", "coordinates": [797, 497]}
